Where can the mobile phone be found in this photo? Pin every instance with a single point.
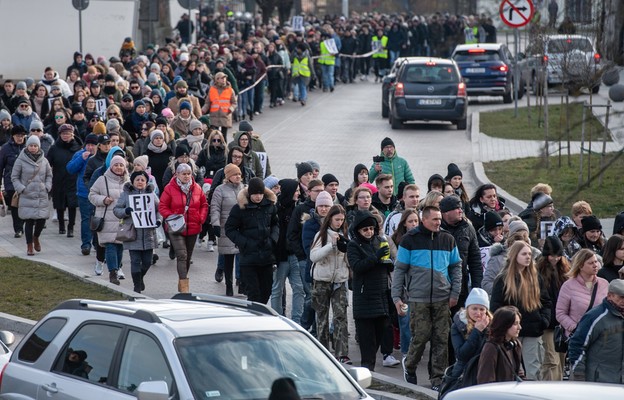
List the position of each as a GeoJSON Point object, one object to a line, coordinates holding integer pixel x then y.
{"type": "Point", "coordinates": [377, 159]}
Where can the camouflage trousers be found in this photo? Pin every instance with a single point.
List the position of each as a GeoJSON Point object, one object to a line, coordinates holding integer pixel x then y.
{"type": "Point", "coordinates": [324, 295]}
{"type": "Point", "coordinates": [429, 322]}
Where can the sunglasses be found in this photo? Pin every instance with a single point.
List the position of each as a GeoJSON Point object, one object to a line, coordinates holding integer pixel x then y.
{"type": "Point", "coordinates": [216, 140]}
{"type": "Point", "coordinates": [112, 114]}
{"type": "Point", "coordinates": [134, 87]}
{"type": "Point", "coordinates": [127, 100]}
{"type": "Point", "coordinates": [24, 106]}
{"type": "Point", "coordinates": [367, 229]}
{"type": "Point", "coordinates": [59, 117]}
{"type": "Point", "coordinates": [36, 130]}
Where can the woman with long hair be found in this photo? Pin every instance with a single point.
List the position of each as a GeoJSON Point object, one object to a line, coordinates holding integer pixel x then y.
{"type": "Point", "coordinates": [330, 273]}
{"type": "Point", "coordinates": [576, 293]}
{"type": "Point", "coordinates": [612, 258]}
{"type": "Point", "coordinates": [485, 199]}
{"type": "Point", "coordinates": [432, 199]}
{"type": "Point", "coordinates": [553, 268]}
{"type": "Point", "coordinates": [520, 285]}
{"type": "Point", "coordinates": [501, 357]}
{"type": "Point", "coordinates": [454, 176]}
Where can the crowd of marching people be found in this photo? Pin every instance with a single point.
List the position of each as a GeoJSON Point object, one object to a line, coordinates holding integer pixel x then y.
{"type": "Point", "coordinates": [139, 145]}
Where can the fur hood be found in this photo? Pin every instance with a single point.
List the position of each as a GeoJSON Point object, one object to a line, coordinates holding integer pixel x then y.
{"type": "Point", "coordinates": [243, 198]}
{"type": "Point", "coordinates": [497, 249]}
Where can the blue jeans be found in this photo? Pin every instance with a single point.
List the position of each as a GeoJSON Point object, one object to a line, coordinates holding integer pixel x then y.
{"type": "Point", "coordinates": [393, 56]}
{"type": "Point", "coordinates": [327, 71]}
{"type": "Point", "coordinates": [300, 90]}
{"type": "Point", "coordinates": [113, 254]}
{"type": "Point", "coordinates": [406, 335]}
{"type": "Point", "coordinates": [86, 209]}
{"type": "Point", "coordinates": [246, 103]}
{"type": "Point", "coordinates": [288, 269]}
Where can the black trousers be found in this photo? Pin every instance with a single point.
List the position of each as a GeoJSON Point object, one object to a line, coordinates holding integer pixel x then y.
{"type": "Point", "coordinates": [370, 332]}
{"type": "Point", "coordinates": [258, 282]}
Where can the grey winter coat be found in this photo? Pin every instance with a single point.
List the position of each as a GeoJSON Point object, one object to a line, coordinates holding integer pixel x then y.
{"type": "Point", "coordinates": [97, 194]}
{"type": "Point", "coordinates": [223, 199]}
{"type": "Point", "coordinates": [145, 237]}
{"type": "Point", "coordinates": [33, 181]}
{"type": "Point", "coordinates": [496, 263]}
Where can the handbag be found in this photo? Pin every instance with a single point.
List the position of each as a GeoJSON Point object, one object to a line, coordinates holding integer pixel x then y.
{"type": "Point", "coordinates": [3, 206]}
{"type": "Point", "coordinates": [96, 224]}
{"type": "Point", "coordinates": [126, 232]}
{"type": "Point", "coordinates": [176, 222]}
{"type": "Point", "coordinates": [15, 200]}
{"type": "Point", "coordinates": [560, 338]}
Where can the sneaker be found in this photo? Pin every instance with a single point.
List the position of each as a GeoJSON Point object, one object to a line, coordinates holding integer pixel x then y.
{"type": "Point", "coordinates": [219, 275]}
{"type": "Point", "coordinates": [390, 361]}
{"type": "Point", "coordinates": [120, 274]}
{"type": "Point", "coordinates": [409, 378]}
{"type": "Point", "coordinates": [210, 246]}
{"type": "Point", "coordinates": [18, 234]}
{"type": "Point", "coordinates": [85, 251]}
{"type": "Point", "coordinates": [345, 360]}
{"type": "Point", "coordinates": [99, 267]}
{"type": "Point", "coordinates": [435, 388]}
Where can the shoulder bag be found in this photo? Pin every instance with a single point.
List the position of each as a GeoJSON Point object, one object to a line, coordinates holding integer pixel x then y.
{"type": "Point", "coordinates": [3, 206]}
{"type": "Point", "coordinates": [96, 224]}
{"type": "Point", "coordinates": [176, 223]}
{"type": "Point", "coordinates": [16, 196]}
{"type": "Point", "coordinates": [560, 337]}
{"type": "Point", "coordinates": [126, 231]}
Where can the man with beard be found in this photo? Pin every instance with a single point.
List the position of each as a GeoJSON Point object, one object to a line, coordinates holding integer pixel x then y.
{"type": "Point", "coordinates": [110, 90]}
{"type": "Point", "coordinates": [181, 92]}
{"type": "Point", "coordinates": [24, 114]}
{"type": "Point", "coordinates": [220, 103]}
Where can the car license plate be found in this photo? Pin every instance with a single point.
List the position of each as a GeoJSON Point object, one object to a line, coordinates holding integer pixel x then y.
{"type": "Point", "coordinates": [475, 70]}
{"type": "Point", "coordinates": [430, 102]}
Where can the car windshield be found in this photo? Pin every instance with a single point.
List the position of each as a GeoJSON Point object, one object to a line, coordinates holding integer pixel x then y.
{"type": "Point", "coordinates": [474, 56]}
{"type": "Point", "coordinates": [429, 73]}
{"type": "Point", "coordinates": [558, 46]}
{"type": "Point", "coordinates": [244, 365]}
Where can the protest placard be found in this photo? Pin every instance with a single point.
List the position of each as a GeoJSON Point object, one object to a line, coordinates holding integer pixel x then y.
{"type": "Point", "coordinates": [143, 210]}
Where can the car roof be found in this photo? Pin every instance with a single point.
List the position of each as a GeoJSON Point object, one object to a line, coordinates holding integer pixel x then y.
{"type": "Point", "coordinates": [539, 391]}
{"type": "Point", "coordinates": [486, 46]}
{"type": "Point", "coordinates": [424, 60]}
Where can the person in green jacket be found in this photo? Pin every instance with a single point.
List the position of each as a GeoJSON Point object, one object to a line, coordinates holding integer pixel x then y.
{"type": "Point", "coordinates": [392, 164]}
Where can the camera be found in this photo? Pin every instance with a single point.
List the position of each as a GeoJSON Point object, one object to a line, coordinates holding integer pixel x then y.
{"type": "Point", "coordinates": [378, 159]}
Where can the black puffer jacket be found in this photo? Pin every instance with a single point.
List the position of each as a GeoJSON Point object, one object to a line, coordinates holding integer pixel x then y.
{"type": "Point", "coordinates": [370, 276]}
{"type": "Point", "coordinates": [468, 246]}
{"type": "Point", "coordinates": [254, 228]}
{"type": "Point", "coordinates": [534, 322]}
{"type": "Point", "coordinates": [212, 159]}
{"type": "Point", "coordinates": [63, 183]}
{"type": "Point", "coordinates": [285, 207]}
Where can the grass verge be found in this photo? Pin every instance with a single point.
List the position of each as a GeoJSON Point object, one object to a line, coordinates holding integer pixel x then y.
{"type": "Point", "coordinates": [519, 176]}
{"type": "Point", "coordinates": [503, 124]}
{"type": "Point", "coordinates": [30, 289]}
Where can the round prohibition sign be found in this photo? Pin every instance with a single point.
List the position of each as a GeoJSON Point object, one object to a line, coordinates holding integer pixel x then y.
{"type": "Point", "coordinates": [516, 13]}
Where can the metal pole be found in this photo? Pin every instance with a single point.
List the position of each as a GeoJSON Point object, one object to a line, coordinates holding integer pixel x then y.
{"type": "Point", "coordinates": [190, 21]}
{"type": "Point", "coordinates": [515, 77]}
{"type": "Point", "coordinates": [580, 180]}
{"type": "Point", "coordinates": [80, 27]}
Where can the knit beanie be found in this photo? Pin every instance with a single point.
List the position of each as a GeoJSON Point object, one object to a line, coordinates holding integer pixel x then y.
{"type": "Point", "coordinates": [541, 200]}
{"type": "Point", "coordinates": [112, 125]}
{"type": "Point", "coordinates": [450, 203]}
{"type": "Point", "coordinates": [99, 128]}
{"type": "Point", "coordinates": [185, 105]}
{"type": "Point", "coordinates": [387, 142]}
{"type": "Point", "coordinates": [182, 150]}
{"type": "Point", "coordinates": [18, 130]}
{"type": "Point", "coordinates": [195, 124]}
{"type": "Point", "coordinates": [315, 165]}
{"type": "Point", "coordinates": [155, 133]}
{"type": "Point", "coordinates": [492, 220]}
{"type": "Point", "coordinates": [139, 173]}
{"type": "Point", "coordinates": [166, 112]}
{"type": "Point", "coordinates": [32, 139]}
{"type": "Point", "coordinates": [231, 170]}
{"type": "Point", "coordinates": [245, 126]}
{"type": "Point", "coordinates": [118, 160]}
{"type": "Point", "coordinates": [517, 226]}
{"type": "Point", "coordinates": [142, 161]}
{"type": "Point", "coordinates": [329, 178]}
{"type": "Point", "coordinates": [138, 103]}
{"type": "Point", "coordinates": [181, 84]}
{"type": "Point", "coordinates": [270, 182]}
{"type": "Point", "coordinates": [452, 170]}
{"type": "Point", "coordinates": [161, 121]}
{"type": "Point", "coordinates": [478, 296]}
{"type": "Point", "coordinates": [324, 199]}
{"type": "Point", "coordinates": [590, 223]}
{"type": "Point", "coordinates": [552, 247]}
{"type": "Point", "coordinates": [4, 114]}
{"type": "Point", "coordinates": [36, 124]}
{"type": "Point", "coordinates": [302, 169]}
{"type": "Point", "coordinates": [256, 186]}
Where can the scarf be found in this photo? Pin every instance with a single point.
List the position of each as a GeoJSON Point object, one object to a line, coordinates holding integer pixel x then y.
{"type": "Point", "coordinates": [196, 144]}
{"type": "Point", "coordinates": [151, 146]}
{"type": "Point", "coordinates": [184, 187]}
{"type": "Point", "coordinates": [36, 156]}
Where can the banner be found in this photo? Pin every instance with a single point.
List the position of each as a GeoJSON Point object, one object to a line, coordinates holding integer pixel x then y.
{"type": "Point", "coordinates": [485, 256]}
{"type": "Point", "coordinates": [297, 23]}
{"type": "Point", "coordinates": [143, 210]}
{"type": "Point", "coordinates": [546, 229]}
{"type": "Point", "coordinates": [263, 161]}
{"type": "Point", "coordinates": [100, 107]}
{"type": "Point", "coordinates": [331, 46]}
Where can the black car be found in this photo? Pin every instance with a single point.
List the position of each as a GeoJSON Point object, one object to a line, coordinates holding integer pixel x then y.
{"type": "Point", "coordinates": [428, 89]}
{"type": "Point", "coordinates": [488, 70]}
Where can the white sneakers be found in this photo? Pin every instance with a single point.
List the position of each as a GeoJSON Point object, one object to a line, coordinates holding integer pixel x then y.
{"type": "Point", "coordinates": [99, 267]}
{"type": "Point", "coordinates": [390, 361]}
{"type": "Point", "coordinates": [120, 274]}
{"type": "Point", "coordinates": [210, 246]}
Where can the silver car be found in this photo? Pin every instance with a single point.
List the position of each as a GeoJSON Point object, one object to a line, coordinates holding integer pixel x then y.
{"type": "Point", "coordinates": [539, 391]}
{"type": "Point", "coordinates": [193, 347]}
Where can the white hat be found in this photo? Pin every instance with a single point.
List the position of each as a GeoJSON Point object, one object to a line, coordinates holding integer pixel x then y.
{"type": "Point", "coordinates": [478, 296]}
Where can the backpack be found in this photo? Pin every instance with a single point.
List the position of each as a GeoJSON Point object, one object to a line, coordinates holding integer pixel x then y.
{"type": "Point", "coordinates": [466, 379]}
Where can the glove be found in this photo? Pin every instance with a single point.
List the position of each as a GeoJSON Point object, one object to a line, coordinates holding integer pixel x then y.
{"type": "Point", "coordinates": [217, 231]}
{"type": "Point", "coordinates": [382, 252]}
{"type": "Point", "coordinates": [128, 210]}
{"type": "Point", "coordinates": [158, 223]}
{"type": "Point", "coordinates": [342, 244]}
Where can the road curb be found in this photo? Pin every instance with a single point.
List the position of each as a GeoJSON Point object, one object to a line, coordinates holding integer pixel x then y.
{"type": "Point", "coordinates": [403, 385]}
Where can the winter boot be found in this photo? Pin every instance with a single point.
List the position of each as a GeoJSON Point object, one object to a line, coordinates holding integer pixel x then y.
{"type": "Point", "coordinates": [229, 290]}
{"type": "Point", "coordinates": [30, 250]}
{"type": "Point", "coordinates": [136, 281]}
{"type": "Point", "coordinates": [183, 285]}
{"type": "Point", "coordinates": [112, 277]}
{"type": "Point", "coordinates": [36, 243]}
{"type": "Point", "coordinates": [143, 272]}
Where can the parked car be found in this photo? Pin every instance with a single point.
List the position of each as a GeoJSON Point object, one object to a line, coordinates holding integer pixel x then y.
{"type": "Point", "coordinates": [561, 60]}
{"type": "Point", "coordinates": [488, 70]}
{"type": "Point", "coordinates": [6, 339]}
{"type": "Point", "coordinates": [387, 81]}
{"type": "Point", "coordinates": [190, 347]}
{"type": "Point", "coordinates": [428, 89]}
{"type": "Point", "coordinates": [539, 391]}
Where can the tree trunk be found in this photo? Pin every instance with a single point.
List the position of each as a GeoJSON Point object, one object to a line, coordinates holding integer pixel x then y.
{"type": "Point", "coordinates": [267, 7]}
{"type": "Point", "coordinates": [284, 7]}
{"type": "Point", "coordinates": [154, 24]}
{"type": "Point", "coordinates": [613, 31]}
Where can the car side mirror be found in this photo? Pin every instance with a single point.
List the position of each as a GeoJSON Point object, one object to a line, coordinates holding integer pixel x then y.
{"type": "Point", "coordinates": [362, 375]}
{"type": "Point", "coordinates": [7, 337]}
{"type": "Point", "coordinates": [154, 390]}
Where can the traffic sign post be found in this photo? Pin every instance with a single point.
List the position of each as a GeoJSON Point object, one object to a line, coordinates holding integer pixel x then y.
{"type": "Point", "coordinates": [516, 14]}
{"type": "Point", "coordinates": [80, 5]}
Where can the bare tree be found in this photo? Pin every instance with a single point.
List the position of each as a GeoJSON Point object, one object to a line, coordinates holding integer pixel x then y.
{"type": "Point", "coordinates": [267, 7]}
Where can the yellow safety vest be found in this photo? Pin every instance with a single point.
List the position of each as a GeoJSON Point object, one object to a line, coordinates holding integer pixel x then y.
{"type": "Point", "coordinates": [301, 68]}
{"type": "Point", "coordinates": [472, 35]}
{"type": "Point", "coordinates": [384, 44]}
{"type": "Point", "coordinates": [326, 58]}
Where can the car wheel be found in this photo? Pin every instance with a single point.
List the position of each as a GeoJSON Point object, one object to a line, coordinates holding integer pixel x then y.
{"type": "Point", "coordinates": [521, 90]}
{"type": "Point", "coordinates": [384, 109]}
{"type": "Point", "coordinates": [461, 124]}
{"type": "Point", "coordinates": [508, 97]}
{"type": "Point", "coordinates": [396, 123]}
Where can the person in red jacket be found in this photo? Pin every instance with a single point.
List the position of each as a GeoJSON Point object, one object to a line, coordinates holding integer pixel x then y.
{"type": "Point", "coordinates": [183, 196]}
